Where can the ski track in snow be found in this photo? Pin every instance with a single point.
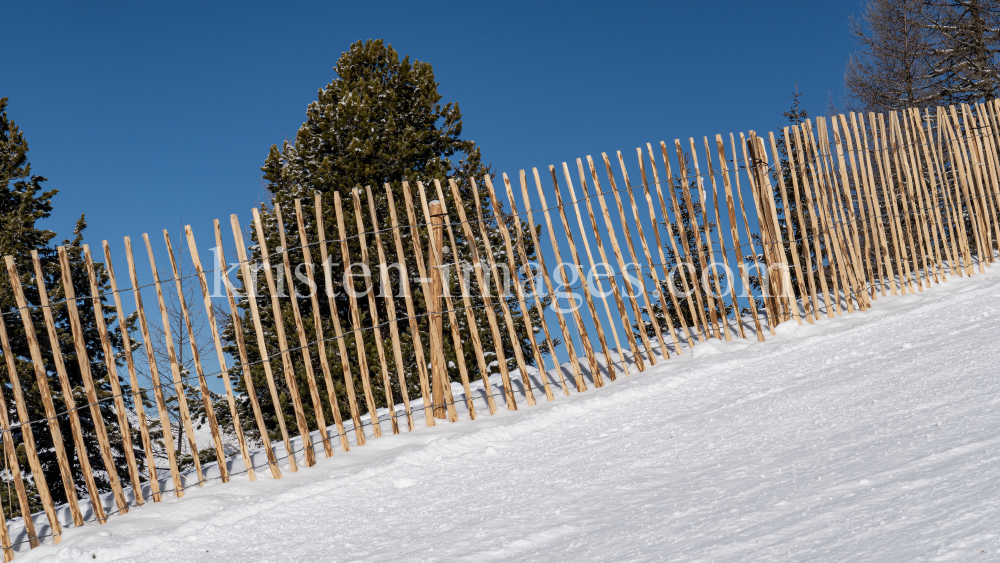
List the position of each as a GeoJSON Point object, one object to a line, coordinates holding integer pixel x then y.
{"type": "Point", "coordinates": [869, 437]}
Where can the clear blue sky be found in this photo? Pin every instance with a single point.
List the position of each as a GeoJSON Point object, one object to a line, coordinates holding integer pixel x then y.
{"type": "Point", "coordinates": [145, 114]}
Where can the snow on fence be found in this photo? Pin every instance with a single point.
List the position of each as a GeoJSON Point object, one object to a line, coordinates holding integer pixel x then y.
{"type": "Point", "coordinates": [839, 212]}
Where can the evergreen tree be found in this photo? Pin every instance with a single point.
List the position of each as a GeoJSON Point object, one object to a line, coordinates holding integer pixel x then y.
{"type": "Point", "coordinates": [22, 204]}
{"type": "Point", "coordinates": [380, 121]}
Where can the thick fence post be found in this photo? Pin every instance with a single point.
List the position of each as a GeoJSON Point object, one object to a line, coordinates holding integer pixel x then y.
{"type": "Point", "coordinates": [439, 373]}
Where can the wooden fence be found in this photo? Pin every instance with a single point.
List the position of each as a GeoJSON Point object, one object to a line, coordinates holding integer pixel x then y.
{"type": "Point", "coordinates": [724, 238]}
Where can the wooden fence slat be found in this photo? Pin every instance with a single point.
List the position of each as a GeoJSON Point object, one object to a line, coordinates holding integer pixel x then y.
{"type": "Point", "coordinates": [722, 245]}
{"type": "Point", "coordinates": [175, 368]}
{"type": "Point", "coordinates": [531, 278]}
{"type": "Point", "coordinates": [616, 250]}
{"type": "Point", "coordinates": [768, 285]}
{"type": "Point", "coordinates": [959, 166]}
{"type": "Point", "coordinates": [647, 254]}
{"type": "Point", "coordinates": [515, 278]}
{"type": "Point", "coordinates": [390, 305]}
{"type": "Point", "coordinates": [525, 311]}
{"type": "Point", "coordinates": [659, 246]}
{"type": "Point", "coordinates": [847, 259]}
{"type": "Point", "coordinates": [440, 379]}
{"type": "Point", "coordinates": [584, 282]}
{"type": "Point", "coordinates": [250, 291]}
{"type": "Point", "coordinates": [67, 391]}
{"type": "Point", "coordinates": [404, 280]}
{"type": "Point", "coordinates": [707, 330]}
{"type": "Point", "coordinates": [612, 282]}
{"type": "Point", "coordinates": [888, 192]}
{"type": "Point", "coordinates": [359, 342]}
{"type": "Point", "coordinates": [234, 315]}
{"type": "Point", "coordinates": [847, 267]}
{"type": "Point", "coordinates": [338, 331]}
{"type": "Point", "coordinates": [83, 361]}
{"type": "Point", "coordinates": [988, 206]}
{"type": "Point", "coordinates": [502, 295]}
{"type": "Point", "coordinates": [436, 216]}
{"type": "Point", "coordinates": [957, 251]}
{"type": "Point", "coordinates": [844, 209]}
{"type": "Point", "coordinates": [138, 395]}
{"type": "Point", "coordinates": [988, 142]}
{"type": "Point", "coordinates": [902, 272]}
{"type": "Point", "coordinates": [768, 289]}
{"type": "Point", "coordinates": [824, 203]}
{"type": "Point", "coordinates": [989, 152]}
{"type": "Point", "coordinates": [766, 197]}
{"type": "Point", "coordinates": [819, 229]}
{"type": "Point", "coordinates": [574, 360]}
{"type": "Point", "coordinates": [810, 301]}
{"type": "Point", "coordinates": [746, 226]}
{"type": "Point", "coordinates": [15, 471]}
{"type": "Point", "coordinates": [851, 226]}
{"type": "Point", "coordinates": [390, 402]}
{"type": "Point", "coordinates": [875, 213]}
{"type": "Point", "coordinates": [970, 156]}
{"type": "Point", "coordinates": [946, 250]}
{"type": "Point", "coordinates": [707, 251]}
{"type": "Point", "coordinates": [965, 142]}
{"type": "Point", "coordinates": [300, 331]}
{"type": "Point", "coordinates": [456, 335]}
{"type": "Point", "coordinates": [206, 395]}
{"type": "Point", "coordinates": [699, 248]}
{"type": "Point", "coordinates": [154, 372]}
{"type": "Point", "coordinates": [318, 327]}
{"type": "Point", "coordinates": [697, 316]}
{"type": "Point", "coordinates": [471, 321]}
{"type": "Point", "coordinates": [588, 349]}
{"type": "Point", "coordinates": [220, 354]}
{"type": "Point", "coordinates": [921, 201]}
{"type": "Point", "coordinates": [990, 114]}
{"type": "Point", "coordinates": [918, 245]}
{"type": "Point", "coordinates": [287, 366]}
{"type": "Point", "coordinates": [418, 253]}
{"type": "Point", "coordinates": [8, 546]}
{"type": "Point", "coordinates": [734, 234]}
{"type": "Point", "coordinates": [857, 221]}
{"type": "Point", "coordinates": [631, 246]}
{"type": "Point", "coordinates": [865, 219]}
{"type": "Point", "coordinates": [441, 393]}
{"type": "Point", "coordinates": [853, 268]}
{"type": "Point", "coordinates": [10, 451]}
{"type": "Point", "coordinates": [116, 390]}
{"type": "Point", "coordinates": [791, 238]}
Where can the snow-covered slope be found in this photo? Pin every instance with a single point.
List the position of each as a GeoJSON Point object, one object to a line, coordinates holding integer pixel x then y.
{"type": "Point", "coordinates": [870, 437]}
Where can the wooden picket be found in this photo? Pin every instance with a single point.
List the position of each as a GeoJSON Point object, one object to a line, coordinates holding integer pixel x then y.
{"type": "Point", "coordinates": [860, 205]}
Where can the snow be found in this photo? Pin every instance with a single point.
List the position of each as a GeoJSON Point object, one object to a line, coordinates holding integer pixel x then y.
{"type": "Point", "coordinates": [868, 437]}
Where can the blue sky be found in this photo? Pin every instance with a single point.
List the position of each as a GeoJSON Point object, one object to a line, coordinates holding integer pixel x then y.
{"type": "Point", "coordinates": [149, 115]}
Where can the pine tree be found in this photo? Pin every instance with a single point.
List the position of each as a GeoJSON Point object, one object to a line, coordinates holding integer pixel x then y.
{"type": "Point", "coordinates": [380, 121]}
{"type": "Point", "coordinates": [22, 204]}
